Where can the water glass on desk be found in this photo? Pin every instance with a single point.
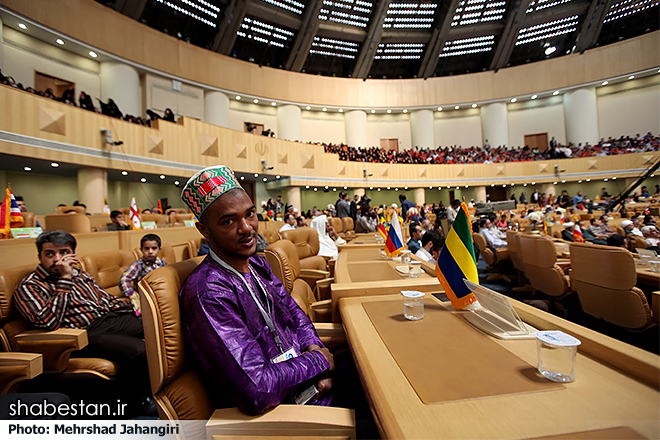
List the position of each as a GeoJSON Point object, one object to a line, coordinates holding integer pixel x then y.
{"type": "Point", "coordinates": [415, 269]}
{"type": "Point", "coordinates": [655, 266]}
{"type": "Point", "coordinates": [413, 305]}
{"type": "Point", "coordinates": [405, 256]}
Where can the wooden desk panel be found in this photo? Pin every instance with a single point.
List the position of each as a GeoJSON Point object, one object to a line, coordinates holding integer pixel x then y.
{"type": "Point", "coordinates": [600, 398]}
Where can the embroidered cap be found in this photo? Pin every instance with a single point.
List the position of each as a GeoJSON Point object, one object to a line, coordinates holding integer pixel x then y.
{"type": "Point", "coordinates": [206, 186]}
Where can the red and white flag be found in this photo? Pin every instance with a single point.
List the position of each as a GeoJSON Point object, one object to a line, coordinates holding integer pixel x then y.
{"type": "Point", "coordinates": [577, 234]}
{"type": "Point", "coordinates": [135, 218]}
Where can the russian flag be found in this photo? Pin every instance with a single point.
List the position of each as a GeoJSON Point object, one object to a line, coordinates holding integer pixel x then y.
{"type": "Point", "coordinates": [394, 240]}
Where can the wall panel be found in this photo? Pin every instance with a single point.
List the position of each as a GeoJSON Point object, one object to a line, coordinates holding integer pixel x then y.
{"type": "Point", "coordinates": [323, 128]}
{"type": "Point", "coordinates": [533, 118]}
{"type": "Point", "coordinates": [463, 131]}
{"type": "Point", "coordinates": [389, 126]}
{"type": "Point", "coordinates": [627, 112]}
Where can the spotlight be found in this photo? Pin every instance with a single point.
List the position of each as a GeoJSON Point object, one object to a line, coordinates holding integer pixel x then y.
{"type": "Point", "coordinates": [265, 179]}
{"type": "Point", "coordinates": [389, 111]}
{"type": "Point", "coordinates": [456, 107]}
{"type": "Point", "coordinates": [278, 176]}
{"type": "Point", "coordinates": [604, 83]}
{"type": "Point", "coordinates": [54, 164]}
{"type": "Point", "coordinates": [405, 110]}
{"type": "Point", "coordinates": [143, 180]}
{"type": "Point", "coordinates": [631, 77]}
{"type": "Point", "coordinates": [256, 175]}
{"type": "Point", "coordinates": [273, 104]}
{"type": "Point", "coordinates": [256, 101]}
{"type": "Point", "coordinates": [27, 169]}
{"type": "Point", "coordinates": [124, 173]}
{"type": "Point", "coordinates": [22, 26]}
{"type": "Point", "coordinates": [555, 93]}
{"type": "Point", "coordinates": [373, 111]}
{"type": "Point", "coordinates": [176, 182]}
{"type": "Point", "coordinates": [341, 110]}
{"type": "Point", "coordinates": [534, 96]}
{"type": "Point", "coordinates": [474, 105]}
{"type": "Point", "coordinates": [513, 99]}
{"type": "Point", "coordinates": [59, 41]}
{"type": "Point", "coordinates": [308, 108]}
{"type": "Point", "coordinates": [238, 98]}
{"type": "Point", "coordinates": [439, 109]}
{"type": "Point", "coordinates": [92, 54]}
{"type": "Point", "coordinates": [242, 177]}
{"type": "Point", "coordinates": [162, 177]}
{"type": "Point", "coordinates": [324, 109]}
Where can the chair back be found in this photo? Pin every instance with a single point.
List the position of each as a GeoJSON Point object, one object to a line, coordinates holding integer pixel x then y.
{"type": "Point", "coordinates": [270, 235]}
{"type": "Point", "coordinates": [193, 246]}
{"type": "Point", "coordinates": [126, 212]}
{"type": "Point", "coordinates": [604, 278]}
{"type": "Point", "coordinates": [179, 218]}
{"type": "Point", "coordinates": [166, 253]}
{"type": "Point", "coordinates": [161, 220]}
{"type": "Point", "coordinates": [11, 322]}
{"type": "Point", "coordinates": [305, 239]}
{"type": "Point", "coordinates": [348, 224]}
{"type": "Point", "coordinates": [283, 259]}
{"type": "Point", "coordinates": [65, 209]}
{"type": "Point", "coordinates": [539, 259]}
{"type": "Point", "coordinates": [107, 268]}
{"type": "Point", "coordinates": [487, 253]}
{"type": "Point", "coordinates": [71, 223]}
{"type": "Point", "coordinates": [178, 390]}
{"type": "Point", "coordinates": [336, 223]}
{"type": "Point", "coordinates": [29, 219]}
{"type": "Point", "coordinates": [513, 244]}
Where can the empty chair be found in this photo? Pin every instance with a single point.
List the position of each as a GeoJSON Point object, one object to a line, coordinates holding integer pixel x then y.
{"type": "Point", "coordinates": [541, 269]}
{"type": "Point", "coordinates": [604, 278]}
{"type": "Point", "coordinates": [65, 209]}
{"type": "Point", "coordinates": [180, 393]}
{"type": "Point", "coordinates": [107, 268]}
{"type": "Point", "coordinates": [71, 223]}
{"type": "Point", "coordinates": [349, 227]}
{"type": "Point", "coordinates": [306, 241]}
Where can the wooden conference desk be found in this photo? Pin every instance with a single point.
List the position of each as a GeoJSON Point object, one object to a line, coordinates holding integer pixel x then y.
{"type": "Point", "coordinates": [365, 271]}
{"type": "Point", "coordinates": [602, 397]}
{"type": "Point", "coordinates": [363, 241]}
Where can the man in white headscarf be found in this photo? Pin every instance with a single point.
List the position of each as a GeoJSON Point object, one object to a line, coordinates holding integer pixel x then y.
{"type": "Point", "coordinates": [327, 246]}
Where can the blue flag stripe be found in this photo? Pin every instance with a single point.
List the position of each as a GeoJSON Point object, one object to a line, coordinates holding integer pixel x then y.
{"type": "Point", "coordinates": [452, 273]}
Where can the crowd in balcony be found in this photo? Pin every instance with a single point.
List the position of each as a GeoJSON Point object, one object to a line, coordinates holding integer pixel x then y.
{"type": "Point", "coordinates": [459, 155]}
{"type": "Point", "coordinates": [85, 101]}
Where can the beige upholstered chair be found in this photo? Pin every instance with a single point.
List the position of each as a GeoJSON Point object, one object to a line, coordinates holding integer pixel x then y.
{"type": "Point", "coordinates": [72, 223]}
{"type": "Point", "coordinates": [306, 241]}
{"type": "Point", "coordinates": [349, 227]}
{"type": "Point", "coordinates": [65, 209]}
{"type": "Point", "coordinates": [309, 288]}
{"type": "Point", "coordinates": [541, 269]}
{"type": "Point", "coordinates": [107, 268]}
{"type": "Point", "coordinates": [180, 393]}
{"type": "Point", "coordinates": [179, 219]}
{"type": "Point", "coordinates": [29, 219]}
{"type": "Point", "coordinates": [604, 278]}
{"type": "Point", "coordinates": [270, 235]}
{"type": "Point", "coordinates": [492, 257]}
{"type": "Point", "coordinates": [161, 220]}
{"type": "Point", "coordinates": [16, 367]}
{"type": "Point", "coordinates": [338, 225]}
{"type": "Point", "coordinates": [166, 253]}
{"type": "Point", "coordinates": [193, 246]}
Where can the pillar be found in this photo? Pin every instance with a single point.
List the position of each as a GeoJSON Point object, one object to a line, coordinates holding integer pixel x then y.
{"type": "Point", "coordinates": [480, 193]}
{"type": "Point", "coordinates": [92, 188]}
{"type": "Point", "coordinates": [495, 124]}
{"type": "Point", "coordinates": [581, 115]}
{"type": "Point", "coordinates": [548, 189]}
{"type": "Point", "coordinates": [289, 123]}
{"type": "Point", "coordinates": [419, 195]}
{"type": "Point", "coordinates": [216, 108]}
{"type": "Point", "coordinates": [1, 45]}
{"type": "Point", "coordinates": [121, 82]}
{"type": "Point", "coordinates": [355, 123]}
{"type": "Point", "coordinates": [421, 127]}
{"type": "Point", "coordinates": [293, 197]}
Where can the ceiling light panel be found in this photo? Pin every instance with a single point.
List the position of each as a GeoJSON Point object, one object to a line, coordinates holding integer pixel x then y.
{"type": "Point", "coordinates": [625, 8]}
{"type": "Point", "coordinates": [548, 29]}
{"type": "Point", "coordinates": [349, 12]}
{"type": "Point", "coordinates": [289, 5]}
{"type": "Point", "coordinates": [410, 15]}
{"type": "Point", "coordinates": [478, 11]}
{"type": "Point", "coordinates": [334, 48]}
{"type": "Point", "coordinates": [399, 51]}
{"type": "Point", "coordinates": [466, 46]}
{"type": "Point", "coordinates": [198, 9]}
{"type": "Point", "coordinates": [263, 32]}
{"type": "Point", "coordinates": [539, 5]}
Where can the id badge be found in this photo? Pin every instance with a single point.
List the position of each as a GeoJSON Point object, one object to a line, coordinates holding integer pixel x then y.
{"type": "Point", "coordinates": [289, 354]}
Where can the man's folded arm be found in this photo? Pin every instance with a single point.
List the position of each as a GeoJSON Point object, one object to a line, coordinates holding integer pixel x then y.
{"type": "Point", "coordinates": [43, 308]}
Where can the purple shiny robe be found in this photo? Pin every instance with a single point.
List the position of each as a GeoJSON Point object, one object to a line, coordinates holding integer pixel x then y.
{"type": "Point", "coordinates": [231, 344]}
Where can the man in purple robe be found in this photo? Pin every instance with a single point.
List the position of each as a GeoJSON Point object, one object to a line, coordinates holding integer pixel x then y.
{"type": "Point", "coordinates": [253, 345]}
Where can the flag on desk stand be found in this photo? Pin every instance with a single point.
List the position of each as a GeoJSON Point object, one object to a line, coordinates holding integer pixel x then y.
{"type": "Point", "coordinates": [106, 207]}
{"type": "Point", "coordinates": [545, 225]}
{"type": "Point", "coordinates": [577, 234]}
{"type": "Point", "coordinates": [394, 240]}
{"type": "Point", "coordinates": [135, 218]}
{"type": "Point", "coordinates": [457, 261]}
{"type": "Point", "coordinates": [160, 207]}
{"type": "Point", "coordinates": [10, 214]}
{"type": "Point", "coordinates": [383, 225]}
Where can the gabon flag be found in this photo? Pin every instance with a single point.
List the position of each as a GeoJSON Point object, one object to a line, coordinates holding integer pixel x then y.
{"type": "Point", "coordinates": [457, 261]}
{"type": "Point", "coordinates": [10, 214]}
{"type": "Point", "coordinates": [135, 218]}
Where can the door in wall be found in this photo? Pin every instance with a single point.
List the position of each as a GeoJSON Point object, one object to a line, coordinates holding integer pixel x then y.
{"type": "Point", "coordinates": [539, 141]}
{"type": "Point", "coordinates": [249, 189]}
{"type": "Point", "coordinates": [389, 143]}
{"type": "Point", "coordinates": [496, 193]}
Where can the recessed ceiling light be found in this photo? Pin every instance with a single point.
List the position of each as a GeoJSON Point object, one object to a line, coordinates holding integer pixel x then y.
{"type": "Point", "coordinates": [588, 180]}
{"type": "Point", "coordinates": [277, 177]}
{"type": "Point", "coordinates": [579, 181]}
{"type": "Point", "coordinates": [491, 185]}
{"type": "Point", "coordinates": [605, 180]}
{"type": "Point", "coordinates": [524, 184]}
{"type": "Point", "coordinates": [22, 26]}
{"type": "Point", "coordinates": [238, 98]}
{"type": "Point", "coordinates": [554, 183]}
{"type": "Point", "coordinates": [389, 111]}
{"type": "Point", "coordinates": [604, 83]}
{"type": "Point", "coordinates": [124, 173]}
{"type": "Point", "coordinates": [59, 41]}
{"type": "Point", "coordinates": [439, 109]}
{"type": "Point", "coordinates": [92, 54]}
{"type": "Point", "coordinates": [378, 189]}
{"type": "Point", "coordinates": [534, 96]}
{"type": "Point", "coordinates": [345, 187]}
{"type": "Point", "coordinates": [341, 110]}
{"type": "Point", "coordinates": [324, 109]}
{"type": "Point", "coordinates": [265, 179]}
{"type": "Point", "coordinates": [273, 104]}
{"type": "Point", "coordinates": [405, 110]}
{"type": "Point", "coordinates": [256, 101]}
{"type": "Point", "coordinates": [396, 189]}
{"type": "Point", "coordinates": [334, 189]}
{"type": "Point", "coordinates": [631, 77]}
{"type": "Point", "coordinates": [242, 177]}
{"type": "Point", "coordinates": [388, 187]}
{"type": "Point", "coordinates": [144, 179]}
{"type": "Point", "coordinates": [533, 183]}
{"type": "Point", "coordinates": [503, 186]}
{"type": "Point", "coordinates": [550, 50]}
{"type": "Point", "coordinates": [374, 111]}
{"type": "Point", "coordinates": [513, 99]}
{"type": "Point", "coordinates": [430, 187]}
{"type": "Point", "coordinates": [406, 188]}
{"type": "Point", "coordinates": [54, 164]}
{"type": "Point", "coordinates": [307, 186]}
{"type": "Point", "coordinates": [256, 175]}
{"type": "Point", "coordinates": [371, 187]}
{"type": "Point", "coordinates": [555, 93]}
{"type": "Point", "coordinates": [474, 105]}
{"type": "Point", "coordinates": [613, 178]}
{"type": "Point", "coordinates": [27, 168]}
{"type": "Point", "coordinates": [456, 107]}
{"type": "Point", "coordinates": [467, 186]}
{"type": "Point", "coordinates": [162, 176]}
{"type": "Point", "coordinates": [308, 108]}
{"type": "Point", "coordinates": [316, 189]}
{"type": "Point", "coordinates": [563, 181]}
{"type": "Point", "coordinates": [176, 182]}
{"type": "Point", "coordinates": [512, 184]}
{"type": "Point", "coordinates": [326, 187]}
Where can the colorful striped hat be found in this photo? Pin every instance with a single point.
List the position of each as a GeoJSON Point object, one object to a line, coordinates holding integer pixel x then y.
{"type": "Point", "coordinates": [206, 186]}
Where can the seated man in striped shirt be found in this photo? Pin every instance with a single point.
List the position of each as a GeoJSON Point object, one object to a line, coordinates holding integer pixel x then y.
{"type": "Point", "coordinates": [59, 295]}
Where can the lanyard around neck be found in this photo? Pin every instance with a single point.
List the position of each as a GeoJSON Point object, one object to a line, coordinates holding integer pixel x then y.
{"type": "Point", "coordinates": [264, 313]}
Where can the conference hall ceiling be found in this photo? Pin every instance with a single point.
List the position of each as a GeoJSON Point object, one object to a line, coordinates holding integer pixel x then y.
{"type": "Point", "coordinates": [395, 38]}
